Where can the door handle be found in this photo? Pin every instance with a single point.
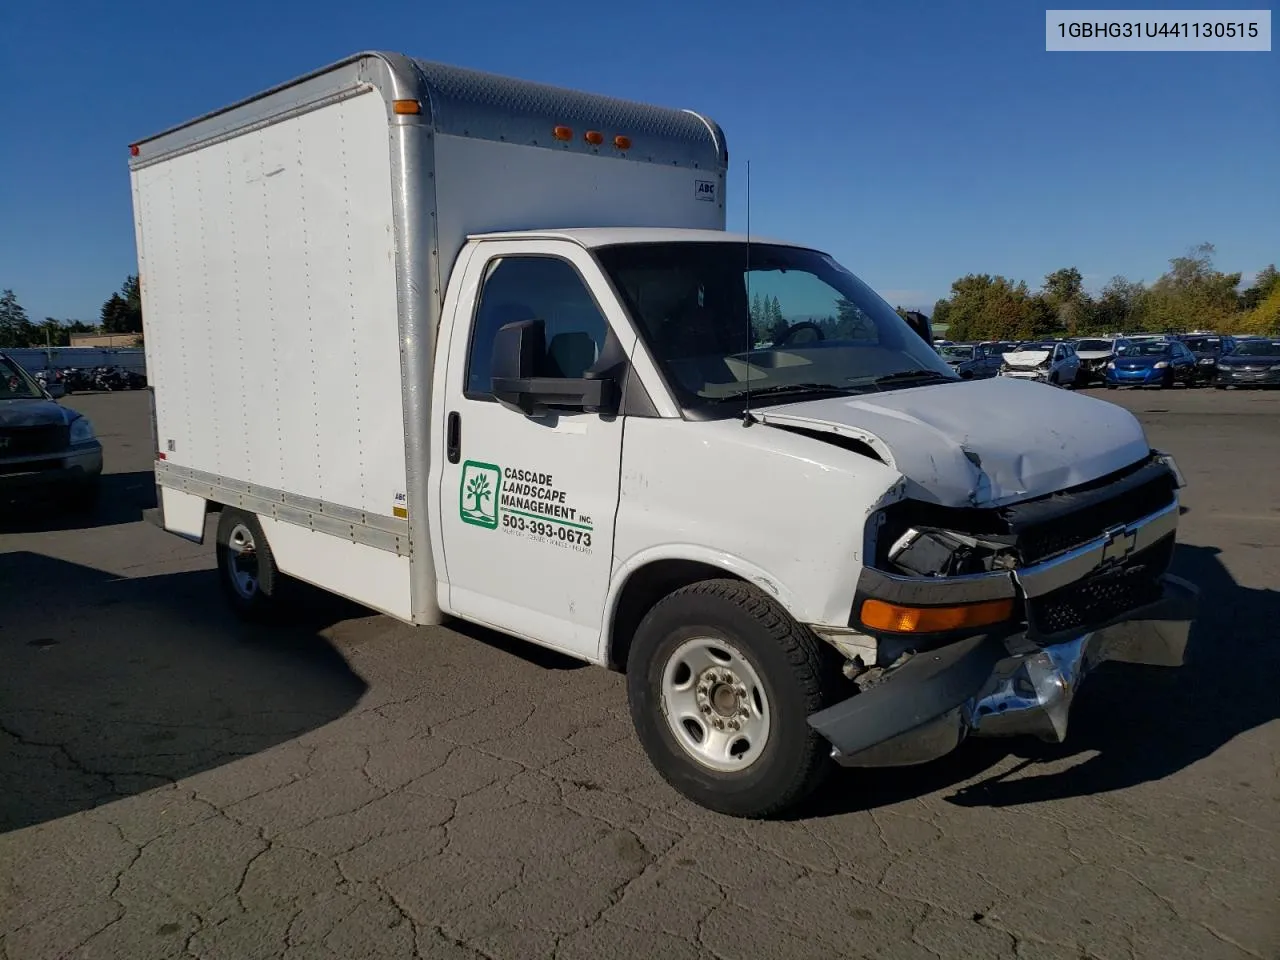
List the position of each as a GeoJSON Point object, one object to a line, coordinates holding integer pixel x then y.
{"type": "Point", "coordinates": [453, 437]}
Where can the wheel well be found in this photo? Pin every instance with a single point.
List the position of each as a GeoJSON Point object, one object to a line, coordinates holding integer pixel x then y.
{"type": "Point", "coordinates": [642, 590]}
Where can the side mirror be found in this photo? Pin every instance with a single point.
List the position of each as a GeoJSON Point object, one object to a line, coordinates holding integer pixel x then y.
{"type": "Point", "coordinates": [518, 383]}
{"type": "Point", "coordinates": [920, 324]}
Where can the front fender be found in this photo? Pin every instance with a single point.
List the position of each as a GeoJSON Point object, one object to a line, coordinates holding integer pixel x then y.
{"type": "Point", "coordinates": [732, 565]}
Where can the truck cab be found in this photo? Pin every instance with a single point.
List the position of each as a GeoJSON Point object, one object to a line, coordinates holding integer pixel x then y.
{"type": "Point", "coordinates": [520, 374]}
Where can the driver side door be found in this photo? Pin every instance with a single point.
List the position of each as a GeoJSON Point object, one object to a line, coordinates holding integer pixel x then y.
{"type": "Point", "coordinates": [527, 503]}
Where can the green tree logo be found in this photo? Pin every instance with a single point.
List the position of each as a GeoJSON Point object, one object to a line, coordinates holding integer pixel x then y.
{"type": "Point", "coordinates": [478, 491]}
{"type": "Point", "coordinates": [478, 494]}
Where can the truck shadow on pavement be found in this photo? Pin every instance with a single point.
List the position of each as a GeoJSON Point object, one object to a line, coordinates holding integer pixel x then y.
{"type": "Point", "coordinates": [112, 686]}
{"type": "Point", "coordinates": [1136, 724]}
{"type": "Point", "coordinates": [123, 498]}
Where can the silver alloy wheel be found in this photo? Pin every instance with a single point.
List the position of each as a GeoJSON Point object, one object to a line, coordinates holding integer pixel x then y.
{"type": "Point", "coordinates": [715, 704]}
{"type": "Point", "coordinates": [243, 568]}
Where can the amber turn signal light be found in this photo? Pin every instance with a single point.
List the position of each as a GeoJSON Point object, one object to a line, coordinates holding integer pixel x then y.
{"type": "Point", "coordinates": [892, 618]}
{"type": "Point", "coordinates": [563, 133]}
{"type": "Point", "coordinates": [406, 107]}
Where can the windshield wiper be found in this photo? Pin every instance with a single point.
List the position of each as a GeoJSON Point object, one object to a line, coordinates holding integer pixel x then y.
{"type": "Point", "coordinates": [903, 376]}
{"type": "Point", "coordinates": [786, 389]}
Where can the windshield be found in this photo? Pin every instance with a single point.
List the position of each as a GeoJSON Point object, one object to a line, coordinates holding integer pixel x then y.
{"type": "Point", "coordinates": [1203, 344]}
{"type": "Point", "coordinates": [1100, 346]}
{"type": "Point", "coordinates": [14, 382]}
{"type": "Point", "coordinates": [1257, 348]}
{"type": "Point", "coordinates": [1147, 348]}
{"type": "Point", "coordinates": [788, 322]}
{"type": "Point", "coordinates": [956, 353]}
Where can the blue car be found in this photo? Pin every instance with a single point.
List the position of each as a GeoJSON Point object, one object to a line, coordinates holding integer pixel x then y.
{"type": "Point", "coordinates": [1152, 363]}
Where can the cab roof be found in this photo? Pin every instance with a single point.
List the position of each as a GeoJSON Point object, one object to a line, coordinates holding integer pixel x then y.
{"type": "Point", "coordinates": [592, 237]}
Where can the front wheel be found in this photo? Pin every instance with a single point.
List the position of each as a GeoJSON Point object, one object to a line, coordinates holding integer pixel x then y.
{"type": "Point", "coordinates": [250, 578]}
{"type": "Point", "coordinates": [720, 681]}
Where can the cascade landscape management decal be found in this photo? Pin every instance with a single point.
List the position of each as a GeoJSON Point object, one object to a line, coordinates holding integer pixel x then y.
{"type": "Point", "coordinates": [523, 503]}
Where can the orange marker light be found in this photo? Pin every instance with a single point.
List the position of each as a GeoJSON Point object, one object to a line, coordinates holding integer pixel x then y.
{"type": "Point", "coordinates": [892, 618]}
{"type": "Point", "coordinates": [593, 137]}
{"type": "Point", "coordinates": [562, 133]}
{"type": "Point", "coordinates": [133, 150]}
{"type": "Point", "coordinates": [406, 107]}
{"type": "Point", "coordinates": [621, 142]}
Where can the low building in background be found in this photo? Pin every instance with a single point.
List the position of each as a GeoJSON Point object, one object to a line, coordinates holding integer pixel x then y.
{"type": "Point", "coordinates": [125, 340]}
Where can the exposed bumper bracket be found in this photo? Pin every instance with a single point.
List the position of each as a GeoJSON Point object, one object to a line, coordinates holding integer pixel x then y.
{"type": "Point", "coordinates": [990, 686]}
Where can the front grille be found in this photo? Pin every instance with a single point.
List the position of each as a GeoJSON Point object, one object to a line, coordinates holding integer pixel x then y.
{"type": "Point", "coordinates": [33, 441]}
{"type": "Point", "coordinates": [1107, 594]}
{"type": "Point", "coordinates": [1058, 534]}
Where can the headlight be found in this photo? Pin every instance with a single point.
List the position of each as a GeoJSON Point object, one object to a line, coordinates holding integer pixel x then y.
{"type": "Point", "coordinates": [1206, 360]}
{"type": "Point", "coordinates": [1162, 364]}
{"type": "Point", "coordinates": [81, 430]}
{"type": "Point", "coordinates": [1275, 366]}
{"type": "Point", "coordinates": [1111, 365]}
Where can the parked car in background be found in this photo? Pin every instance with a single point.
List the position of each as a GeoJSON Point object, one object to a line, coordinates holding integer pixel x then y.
{"type": "Point", "coordinates": [1047, 361]}
{"type": "Point", "coordinates": [971, 360]}
{"type": "Point", "coordinates": [998, 348]}
{"type": "Point", "coordinates": [47, 451]}
{"type": "Point", "coordinates": [1253, 363]}
{"type": "Point", "coordinates": [1208, 349]}
{"type": "Point", "coordinates": [1095, 353]}
{"type": "Point", "coordinates": [1152, 363]}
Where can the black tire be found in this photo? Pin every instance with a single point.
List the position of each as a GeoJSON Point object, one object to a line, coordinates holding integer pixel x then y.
{"type": "Point", "coordinates": [261, 602]}
{"type": "Point", "coordinates": [1166, 381]}
{"type": "Point", "coordinates": [798, 673]}
{"type": "Point", "coordinates": [83, 497]}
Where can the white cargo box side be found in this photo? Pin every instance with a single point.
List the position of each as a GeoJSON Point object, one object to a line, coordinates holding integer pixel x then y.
{"type": "Point", "coordinates": [268, 261]}
{"type": "Point", "coordinates": [270, 258]}
{"type": "Point", "coordinates": [294, 252]}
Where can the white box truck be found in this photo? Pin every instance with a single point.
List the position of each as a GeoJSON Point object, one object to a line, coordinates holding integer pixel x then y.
{"type": "Point", "coordinates": [450, 344]}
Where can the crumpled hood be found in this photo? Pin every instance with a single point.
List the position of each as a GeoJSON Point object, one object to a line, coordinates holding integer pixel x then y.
{"type": "Point", "coordinates": [1026, 358]}
{"type": "Point", "coordinates": [979, 442]}
{"type": "Point", "coordinates": [33, 413]}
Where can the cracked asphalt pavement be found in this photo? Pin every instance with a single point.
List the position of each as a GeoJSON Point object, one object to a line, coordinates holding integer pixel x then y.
{"type": "Point", "coordinates": [178, 785]}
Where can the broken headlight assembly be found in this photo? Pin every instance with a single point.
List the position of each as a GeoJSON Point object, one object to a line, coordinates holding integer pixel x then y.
{"type": "Point", "coordinates": [931, 552]}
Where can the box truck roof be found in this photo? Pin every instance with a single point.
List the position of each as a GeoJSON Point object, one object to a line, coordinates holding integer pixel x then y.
{"type": "Point", "coordinates": [456, 101]}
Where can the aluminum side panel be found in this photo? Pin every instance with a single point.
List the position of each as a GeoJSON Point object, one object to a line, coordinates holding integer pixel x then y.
{"type": "Point", "coordinates": [271, 307]}
{"type": "Point", "coordinates": [505, 186]}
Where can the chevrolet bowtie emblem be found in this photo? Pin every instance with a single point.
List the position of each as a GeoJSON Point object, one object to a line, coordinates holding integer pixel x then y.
{"type": "Point", "coordinates": [1121, 542]}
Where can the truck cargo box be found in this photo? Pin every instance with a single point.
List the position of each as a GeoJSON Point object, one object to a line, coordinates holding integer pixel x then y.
{"type": "Point", "coordinates": [294, 252]}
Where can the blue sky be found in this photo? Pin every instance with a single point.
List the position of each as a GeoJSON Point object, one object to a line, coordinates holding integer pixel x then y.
{"type": "Point", "coordinates": [914, 141]}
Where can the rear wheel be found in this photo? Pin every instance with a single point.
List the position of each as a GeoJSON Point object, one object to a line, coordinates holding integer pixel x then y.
{"type": "Point", "coordinates": [247, 569]}
{"type": "Point", "coordinates": [720, 681]}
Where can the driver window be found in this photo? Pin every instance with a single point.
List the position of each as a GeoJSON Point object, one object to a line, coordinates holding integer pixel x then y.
{"type": "Point", "coordinates": [536, 288]}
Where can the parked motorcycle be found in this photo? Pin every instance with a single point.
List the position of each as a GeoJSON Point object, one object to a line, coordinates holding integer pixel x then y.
{"type": "Point", "coordinates": [73, 379]}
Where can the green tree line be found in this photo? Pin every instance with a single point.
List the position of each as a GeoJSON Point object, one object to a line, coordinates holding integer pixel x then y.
{"type": "Point", "coordinates": [1192, 295]}
{"type": "Point", "coordinates": [121, 313]}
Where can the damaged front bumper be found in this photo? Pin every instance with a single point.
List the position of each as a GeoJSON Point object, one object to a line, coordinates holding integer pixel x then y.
{"type": "Point", "coordinates": [997, 686]}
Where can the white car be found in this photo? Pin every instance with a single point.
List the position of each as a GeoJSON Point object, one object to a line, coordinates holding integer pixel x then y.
{"type": "Point", "coordinates": [1095, 353]}
{"type": "Point", "coordinates": [1053, 362]}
